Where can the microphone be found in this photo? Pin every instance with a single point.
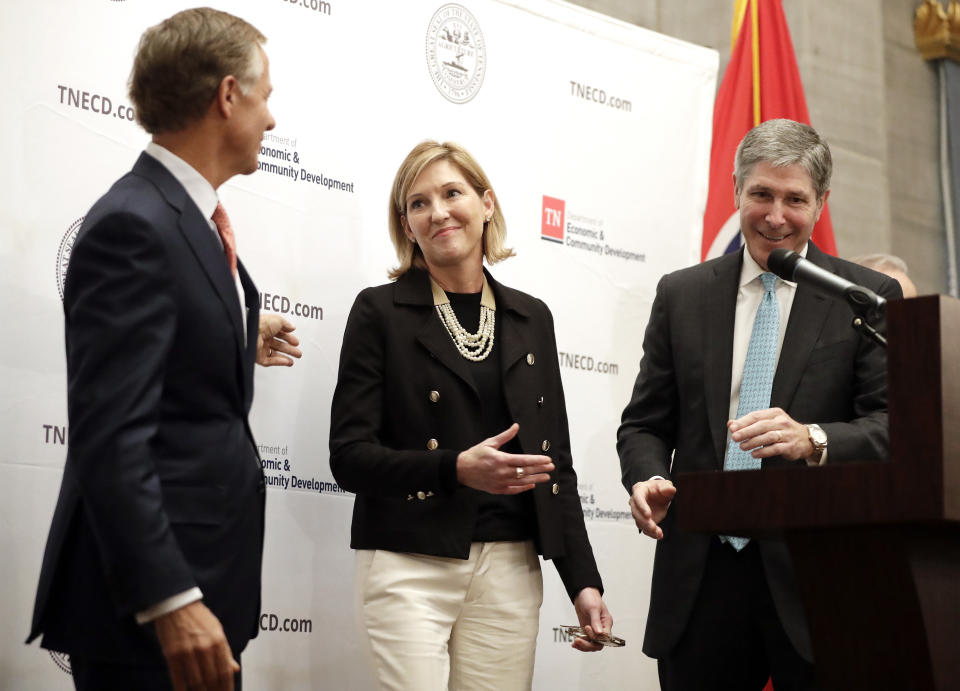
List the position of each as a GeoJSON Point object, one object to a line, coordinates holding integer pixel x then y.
{"type": "Point", "coordinates": [790, 266]}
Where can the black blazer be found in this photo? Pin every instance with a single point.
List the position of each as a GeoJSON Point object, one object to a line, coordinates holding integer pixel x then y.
{"type": "Point", "coordinates": [395, 353]}
{"type": "Point", "coordinates": [162, 488]}
{"type": "Point", "coordinates": [827, 374]}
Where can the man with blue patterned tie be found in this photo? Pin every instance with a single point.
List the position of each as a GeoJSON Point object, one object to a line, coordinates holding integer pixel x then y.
{"type": "Point", "coordinates": [741, 370]}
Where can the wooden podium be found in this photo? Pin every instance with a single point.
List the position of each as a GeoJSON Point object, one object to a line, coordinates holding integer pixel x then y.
{"type": "Point", "coordinates": [876, 546]}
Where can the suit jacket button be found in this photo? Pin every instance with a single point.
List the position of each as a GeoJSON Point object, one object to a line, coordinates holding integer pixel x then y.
{"type": "Point", "coordinates": [531, 359]}
{"type": "Point", "coordinates": [432, 444]}
{"type": "Point", "coordinates": [421, 495]}
{"type": "Point", "coordinates": [545, 445]}
{"type": "Point", "coordinates": [556, 488]}
{"type": "Point", "coordinates": [540, 402]}
{"type": "Point", "coordinates": [434, 396]}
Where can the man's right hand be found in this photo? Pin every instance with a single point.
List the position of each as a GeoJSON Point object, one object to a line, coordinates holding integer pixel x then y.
{"type": "Point", "coordinates": [196, 649]}
{"type": "Point", "coordinates": [649, 502]}
{"type": "Point", "coordinates": [276, 344]}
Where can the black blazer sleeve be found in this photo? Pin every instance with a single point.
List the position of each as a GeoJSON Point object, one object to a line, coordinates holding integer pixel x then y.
{"type": "Point", "coordinates": [120, 314]}
{"type": "Point", "coordinates": [646, 437]}
{"type": "Point", "coordinates": [359, 459]}
{"type": "Point", "coordinates": [578, 567]}
{"type": "Point", "coordinates": [864, 436]}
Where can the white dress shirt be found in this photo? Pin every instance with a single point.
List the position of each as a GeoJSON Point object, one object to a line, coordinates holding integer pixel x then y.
{"type": "Point", "coordinates": [749, 296]}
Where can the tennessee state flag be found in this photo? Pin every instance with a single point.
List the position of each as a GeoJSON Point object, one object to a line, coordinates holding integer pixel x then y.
{"type": "Point", "coordinates": [761, 83]}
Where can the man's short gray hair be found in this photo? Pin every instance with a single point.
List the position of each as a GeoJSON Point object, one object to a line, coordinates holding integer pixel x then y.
{"type": "Point", "coordinates": [783, 142]}
{"type": "Point", "coordinates": [181, 61]}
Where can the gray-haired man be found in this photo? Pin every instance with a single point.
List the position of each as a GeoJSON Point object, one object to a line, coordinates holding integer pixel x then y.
{"type": "Point", "coordinates": [151, 576]}
{"type": "Point", "coordinates": [740, 368]}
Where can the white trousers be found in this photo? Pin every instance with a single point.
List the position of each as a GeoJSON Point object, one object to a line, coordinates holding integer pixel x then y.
{"type": "Point", "coordinates": [439, 624]}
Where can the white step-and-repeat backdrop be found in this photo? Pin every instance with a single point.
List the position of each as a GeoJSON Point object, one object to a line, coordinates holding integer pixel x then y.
{"type": "Point", "coordinates": [596, 136]}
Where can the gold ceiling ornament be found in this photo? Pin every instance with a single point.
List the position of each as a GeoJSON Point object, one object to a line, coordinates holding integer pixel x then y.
{"type": "Point", "coordinates": [937, 31]}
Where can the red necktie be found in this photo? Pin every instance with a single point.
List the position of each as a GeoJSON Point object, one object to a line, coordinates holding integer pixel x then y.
{"type": "Point", "coordinates": [225, 230]}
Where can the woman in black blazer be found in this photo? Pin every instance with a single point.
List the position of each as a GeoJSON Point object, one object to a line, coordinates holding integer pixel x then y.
{"type": "Point", "coordinates": [449, 424]}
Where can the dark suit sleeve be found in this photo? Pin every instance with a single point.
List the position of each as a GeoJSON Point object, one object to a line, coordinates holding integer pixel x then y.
{"type": "Point", "coordinates": [578, 567]}
{"type": "Point", "coordinates": [646, 437]}
{"type": "Point", "coordinates": [359, 461]}
{"type": "Point", "coordinates": [120, 321]}
{"type": "Point", "coordinates": [865, 436]}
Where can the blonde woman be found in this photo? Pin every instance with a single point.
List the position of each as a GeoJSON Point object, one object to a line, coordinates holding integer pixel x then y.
{"type": "Point", "coordinates": [449, 424]}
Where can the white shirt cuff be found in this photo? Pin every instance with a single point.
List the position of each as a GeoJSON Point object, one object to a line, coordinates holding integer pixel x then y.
{"type": "Point", "coordinates": [168, 605]}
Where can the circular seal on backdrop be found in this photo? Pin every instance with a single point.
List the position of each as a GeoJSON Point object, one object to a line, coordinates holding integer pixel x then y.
{"type": "Point", "coordinates": [63, 255]}
{"type": "Point", "coordinates": [456, 53]}
{"type": "Point", "coordinates": [62, 660]}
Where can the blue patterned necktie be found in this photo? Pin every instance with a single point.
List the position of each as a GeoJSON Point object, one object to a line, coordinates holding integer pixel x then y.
{"type": "Point", "coordinates": [758, 370]}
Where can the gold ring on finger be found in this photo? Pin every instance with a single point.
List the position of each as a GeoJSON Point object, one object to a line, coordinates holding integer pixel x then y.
{"type": "Point", "coordinates": [519, 472]}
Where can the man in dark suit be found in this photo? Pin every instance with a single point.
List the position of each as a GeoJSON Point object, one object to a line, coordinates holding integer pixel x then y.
{"type": "Point", "coordinates": [151, 575]}
{"type": "Point", "coordinates": [725, 612]}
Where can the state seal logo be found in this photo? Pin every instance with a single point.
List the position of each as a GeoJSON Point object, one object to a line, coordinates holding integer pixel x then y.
{"type": "Point", "coordinates": [456, 53]}
{"type": "Point", "coordinates": [62, 660]}
{"type": "Point", "coordinates": [63, 254]}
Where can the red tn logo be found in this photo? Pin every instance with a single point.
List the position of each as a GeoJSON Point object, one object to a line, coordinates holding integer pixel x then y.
{"type": "Point", "coordinates": [552, 220]}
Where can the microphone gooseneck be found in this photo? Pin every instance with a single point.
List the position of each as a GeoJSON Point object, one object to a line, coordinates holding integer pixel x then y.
{"type": "Point", "coordinates": [865, 304]}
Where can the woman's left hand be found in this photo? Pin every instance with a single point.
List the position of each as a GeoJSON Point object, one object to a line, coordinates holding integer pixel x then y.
{"type": "Point", "coordinates": [594, 618]}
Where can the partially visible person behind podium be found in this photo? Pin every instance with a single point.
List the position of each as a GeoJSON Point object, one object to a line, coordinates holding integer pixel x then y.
{"type": "Point", "coordinates": [449, 424]}
{"type": "Point", "coordinates": [741, 370]}
{"type": "Point", "coordinates": [892, 266]}
{"type": "Point", "coordinates": [151, 574]}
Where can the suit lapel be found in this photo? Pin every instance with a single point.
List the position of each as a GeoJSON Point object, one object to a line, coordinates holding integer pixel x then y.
{"type": "Point", "coordinates": [720, 305]}
{"type": "Point", "coordinates": [195, 228]}
{"type": "Point", "coordinates": [434, 337]}
{"type": "Point", "coordinates": [199, 236]}
{"type": "Point", "coordinates": [516, 340]}
{"type": "Point", "coordinates": [511, 340]}
{"type": "Point", "coordinates": [413, 288]}
{"type": "Point", "coordinates": [511, 313]}
{"type": "Point", "coordinates": [807, 317]}
{"type": "Point", "coordinates": [252, 300]}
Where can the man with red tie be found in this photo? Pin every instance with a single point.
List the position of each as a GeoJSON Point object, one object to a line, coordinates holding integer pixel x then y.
{"type": "Point", "coordinates": [151, 575]}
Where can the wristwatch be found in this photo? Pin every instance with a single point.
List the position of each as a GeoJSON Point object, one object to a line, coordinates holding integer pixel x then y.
{"type": "Point", "coordinates": [819, 440]}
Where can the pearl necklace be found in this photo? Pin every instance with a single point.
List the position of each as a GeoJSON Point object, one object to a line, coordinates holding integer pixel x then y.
{"type": "Point", "coordinates": [475, 347]}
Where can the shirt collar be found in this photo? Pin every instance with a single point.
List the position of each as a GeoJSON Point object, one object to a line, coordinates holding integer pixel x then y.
{"type": "Point", "coordinates": [750, 270]}
{"type": "Point", "coordinates": [486, 297]}
{"type": "Point", "coordinates": [198, 187]}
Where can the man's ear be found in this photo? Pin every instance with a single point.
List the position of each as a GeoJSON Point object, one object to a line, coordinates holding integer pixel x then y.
{"type": "Point", "coordinates": [820, 204]}
{"type": "Point", "coordinates": [227, 94]}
